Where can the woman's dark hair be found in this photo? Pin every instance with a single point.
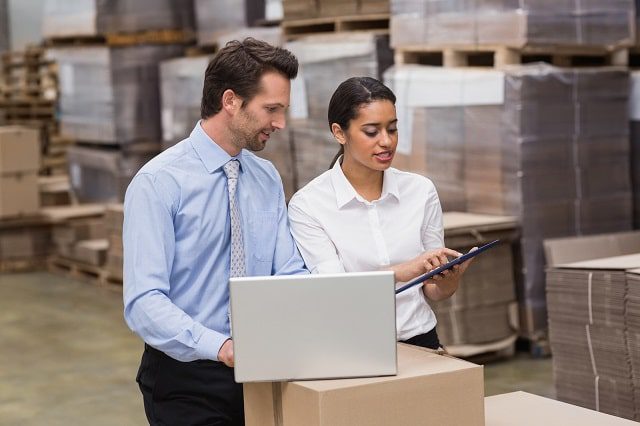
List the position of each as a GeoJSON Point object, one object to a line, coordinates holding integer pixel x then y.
{"type": "Point", "coordinates": [239, 66]}
{"type": "Point", "coordinates": [350, 96]}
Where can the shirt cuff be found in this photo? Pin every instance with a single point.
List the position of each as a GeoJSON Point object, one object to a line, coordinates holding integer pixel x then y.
{"type": "Point", "coordinates": [209, 344]}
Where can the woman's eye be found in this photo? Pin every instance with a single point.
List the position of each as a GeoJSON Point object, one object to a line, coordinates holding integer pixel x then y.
{"type": "Point", "coordinates": [371, 134]}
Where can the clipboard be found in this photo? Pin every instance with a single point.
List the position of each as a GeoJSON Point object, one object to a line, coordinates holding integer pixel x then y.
{"type": "Point", "coordinates": [446, 266]}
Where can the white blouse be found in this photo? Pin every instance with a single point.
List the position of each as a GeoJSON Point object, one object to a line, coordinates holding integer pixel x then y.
{"type": "Point", "coordinates": [339, 231]}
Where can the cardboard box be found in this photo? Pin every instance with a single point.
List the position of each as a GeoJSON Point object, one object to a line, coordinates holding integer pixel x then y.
{"type": "Point", "coordinates": [525, 409]}
{"type": "Point", "coordinates": [19, 149]}
{"type": "Point", "coordinates": [429, 387]}
{"type": "Point", "coordinates": [19, 194]}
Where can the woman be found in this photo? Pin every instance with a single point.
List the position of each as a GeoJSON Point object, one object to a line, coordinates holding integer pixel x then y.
{"type": "Point", "coordinates": [363, 215]}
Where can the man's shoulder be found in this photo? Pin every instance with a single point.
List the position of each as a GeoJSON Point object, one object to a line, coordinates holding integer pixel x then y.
{"type": "Point", "coordinates": [166, 160]}
{"type": "Point", "coordinates": [262, 167]}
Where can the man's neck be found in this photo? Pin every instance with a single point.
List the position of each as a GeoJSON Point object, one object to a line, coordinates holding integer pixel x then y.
{"type": "Point", "coordinates": [218, 130]}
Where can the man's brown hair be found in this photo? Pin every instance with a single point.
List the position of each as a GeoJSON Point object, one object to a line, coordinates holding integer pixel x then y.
{"type": "Point", "coordinates": [239, 66]}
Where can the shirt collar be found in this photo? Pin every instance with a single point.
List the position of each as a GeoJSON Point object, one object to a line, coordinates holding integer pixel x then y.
{"type": "Point", "coordinates": [346, 193]}
{"type": "Point", "coordinates": [212, 156]}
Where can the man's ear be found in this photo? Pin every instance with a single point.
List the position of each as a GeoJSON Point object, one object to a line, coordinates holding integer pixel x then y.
{"type": "Point", "coordinates": [230, 101]}
{"type": "Point", "coordinates": [338, 133]}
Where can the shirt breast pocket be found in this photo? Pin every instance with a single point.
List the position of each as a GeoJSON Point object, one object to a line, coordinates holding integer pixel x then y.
{"type": "Point", "coordinates": [262, 239]}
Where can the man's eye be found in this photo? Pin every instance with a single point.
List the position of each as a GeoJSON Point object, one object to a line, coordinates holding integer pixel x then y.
{"type": "Point", "coordinates": [272, 109]}
{"type": "Point", "coordinates": [393, 131]}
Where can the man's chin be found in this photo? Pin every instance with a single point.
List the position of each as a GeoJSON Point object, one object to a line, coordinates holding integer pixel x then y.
{"type": "Point", "coordinates": [257, 146]}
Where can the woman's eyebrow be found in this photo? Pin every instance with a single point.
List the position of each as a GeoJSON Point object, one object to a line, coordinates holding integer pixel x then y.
{"type": "Point", "coordinates": [377, 124]}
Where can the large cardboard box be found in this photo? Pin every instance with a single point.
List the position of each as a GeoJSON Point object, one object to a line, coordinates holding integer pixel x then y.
{"type": "Point", "coordinates": [429, 388]}
{"type": "Point", "coordinates": [19, 194]}
{"type": "Point", "coordinates": [525, 409]}
{"type": "Point", "coordinates": [19, 149]}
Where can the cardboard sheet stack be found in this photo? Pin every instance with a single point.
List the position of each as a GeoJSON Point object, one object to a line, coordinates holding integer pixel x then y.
{"type": "Point", "coordinates": [110, 102]}
{"type": "Point", "coordinates": [517, 24]}
{"type": "Point", "coordinates": [81, 239]}
{"type": "Point", "coordinates": [114, 218]}
{"type": "Point", "coordinates": [634, 117]}
{"type": "Point", "coordinates": [547, 145]}
{"type": "Point", "coordinates": [325, 62]}
{"type": "Point", "coordinates": [632, 316]}
{"type": "Point", "coordinates": [216, 18]}
{"type": "Point", "coordinates": [96, 17]}
{"type": "Point", "coordinates": [481, 310]}
{"type": "Point", "coordinates": [589, 328]}
{"type": "Point", "coordinates": [304, 9]}
{"type": "Point", "coordinates": [4, 28]}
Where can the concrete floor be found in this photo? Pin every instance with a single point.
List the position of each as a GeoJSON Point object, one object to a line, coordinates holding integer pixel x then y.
{"type": "Point", "coordinates": [68, 358]}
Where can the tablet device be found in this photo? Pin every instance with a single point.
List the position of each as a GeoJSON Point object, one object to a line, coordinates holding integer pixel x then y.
{"type": "Point", "coordinates": [446, 266]}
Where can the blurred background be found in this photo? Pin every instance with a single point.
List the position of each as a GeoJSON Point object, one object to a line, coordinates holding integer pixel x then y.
{"type": "Point", "coordinates": [525, 114]}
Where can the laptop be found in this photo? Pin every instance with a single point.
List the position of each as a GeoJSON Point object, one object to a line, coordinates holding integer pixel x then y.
{"type": "Point", "coordinates": [313, 326]}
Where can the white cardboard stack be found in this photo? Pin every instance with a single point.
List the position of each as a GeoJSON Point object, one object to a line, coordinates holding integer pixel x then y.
{"type": "Point", "coordinates": [545, 144]}
{"type": "Point", "coordinates": [97, 17]}
{"type": "Point", "coordinates": [215, 18]}
{"type": "Point", "coordinates": [512, 23]}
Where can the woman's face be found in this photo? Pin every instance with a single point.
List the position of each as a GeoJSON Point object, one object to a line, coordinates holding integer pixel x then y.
{"type": "Point", "coordinates": [372, 136]}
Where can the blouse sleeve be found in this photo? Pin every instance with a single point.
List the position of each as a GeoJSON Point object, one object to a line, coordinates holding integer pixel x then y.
{"type": "Point", "coordinates": [432, 226]}
{"type": "Point", "coordinates": [317, 249]}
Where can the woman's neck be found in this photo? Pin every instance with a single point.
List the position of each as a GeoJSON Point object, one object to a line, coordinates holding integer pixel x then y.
{"type": "Point", "coordinates": [366, 182]}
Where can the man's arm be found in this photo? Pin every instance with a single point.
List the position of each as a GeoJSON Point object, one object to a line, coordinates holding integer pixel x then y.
{"type": "Point", "coordinates": [149, 249]}
{"type": "Point", "coordinates": [286, 259]}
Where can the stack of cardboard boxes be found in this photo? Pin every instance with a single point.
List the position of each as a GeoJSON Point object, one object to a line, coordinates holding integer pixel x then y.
{"type": "Point", "coordinates": [19, 166]}
{"type": "Point", "coordinates": [591, 321]}
{"type": "Point", "coordinates": [114, 218]}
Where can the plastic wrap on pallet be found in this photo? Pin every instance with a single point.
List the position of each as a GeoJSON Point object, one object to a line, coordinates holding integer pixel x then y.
{"type": "Point", "coordinates": [96, 17]}
{"type": "Point", "coordinates": [314, 148]}
{"type": "Point", "coordinates": [109, 95]}
{"type": "Point", "coordinates": [181, 83]}
{"type": "Point", "coordinates": [101, 174]}
{"type": "Point", "coordinates": [4, 27]}
{"type": "Point", "coordinates": [512, 23]}
{"type": "Point", "coordinates": [272, 35]}
{"type": "Point", "coordinates": [545, 144]}
{"type": "Point", "coordinates": [216, 17]}
{"type": "Point", "coordinates": [328, 60]}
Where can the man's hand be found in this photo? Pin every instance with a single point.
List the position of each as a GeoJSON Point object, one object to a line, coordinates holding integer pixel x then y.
{"type": "Point", "coordinates": [225, 354]}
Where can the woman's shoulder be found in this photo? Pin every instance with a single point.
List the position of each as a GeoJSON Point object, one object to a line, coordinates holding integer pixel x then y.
{"type": "Point", "coordinates": [318, 186]}
{"type": "Point", "coordinates": [409, 181]}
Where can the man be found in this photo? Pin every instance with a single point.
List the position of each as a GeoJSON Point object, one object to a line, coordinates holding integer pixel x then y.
{"type": "Point", "coordinates": [197, 214]}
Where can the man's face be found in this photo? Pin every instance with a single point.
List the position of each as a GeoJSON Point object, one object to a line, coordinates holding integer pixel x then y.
{"type": "Point", "coordinates": [263, 114]}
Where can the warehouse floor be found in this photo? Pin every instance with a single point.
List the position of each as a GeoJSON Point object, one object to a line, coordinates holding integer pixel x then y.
{"type": "Point", "coordinates": [67, 356]}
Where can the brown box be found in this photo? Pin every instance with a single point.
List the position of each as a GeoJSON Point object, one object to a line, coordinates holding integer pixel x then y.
{"type": "Point", "coordinates": [19, 194]}
{"type": "Point", "coordinates": [439, 388]}
{"type": "Point", "coordinates": [19, 150]}
{"type": "Point", "coordinates": [525, 409]}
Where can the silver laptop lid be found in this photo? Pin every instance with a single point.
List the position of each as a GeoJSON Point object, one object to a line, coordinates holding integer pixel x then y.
{"type": "Point", "coordinates": [313, 326]}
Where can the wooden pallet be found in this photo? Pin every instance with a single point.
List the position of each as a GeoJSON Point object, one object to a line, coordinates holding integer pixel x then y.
{"type": "Point", "coordinates": [375, 23]}
{"type": "Point", "coordinates": [75, 270]}
{"type": "Point", "coordinates": [127, 39]}
{"type": "Point", "coordinates": [22, 265]}
{"type": "Point", "coordinates": [501, 56]}
{"type": "Point", "coordinates": [484, 353]}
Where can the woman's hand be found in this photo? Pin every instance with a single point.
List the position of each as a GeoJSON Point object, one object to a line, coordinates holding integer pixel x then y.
{"type": "Point", "coordinates": [422, 264]}
{"type": "Point", "coordinates": [443, 285]}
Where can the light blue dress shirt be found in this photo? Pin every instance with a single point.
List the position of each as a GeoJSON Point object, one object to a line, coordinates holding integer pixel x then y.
{"type": "Point", "coordinates": [177, 242]}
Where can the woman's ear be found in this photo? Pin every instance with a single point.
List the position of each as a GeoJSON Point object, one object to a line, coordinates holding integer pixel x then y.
{"type": "Point", "coordinates": [338, 133]}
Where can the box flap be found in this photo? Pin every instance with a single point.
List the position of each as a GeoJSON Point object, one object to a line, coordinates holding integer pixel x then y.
{"type": "Point", "coordinates": [575, 249]}
{"type": "Point", "coordinates": [630, 261]}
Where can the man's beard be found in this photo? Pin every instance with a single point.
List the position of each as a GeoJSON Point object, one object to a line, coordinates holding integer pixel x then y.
{"type": "Point", "coordinates": [247, 138]}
